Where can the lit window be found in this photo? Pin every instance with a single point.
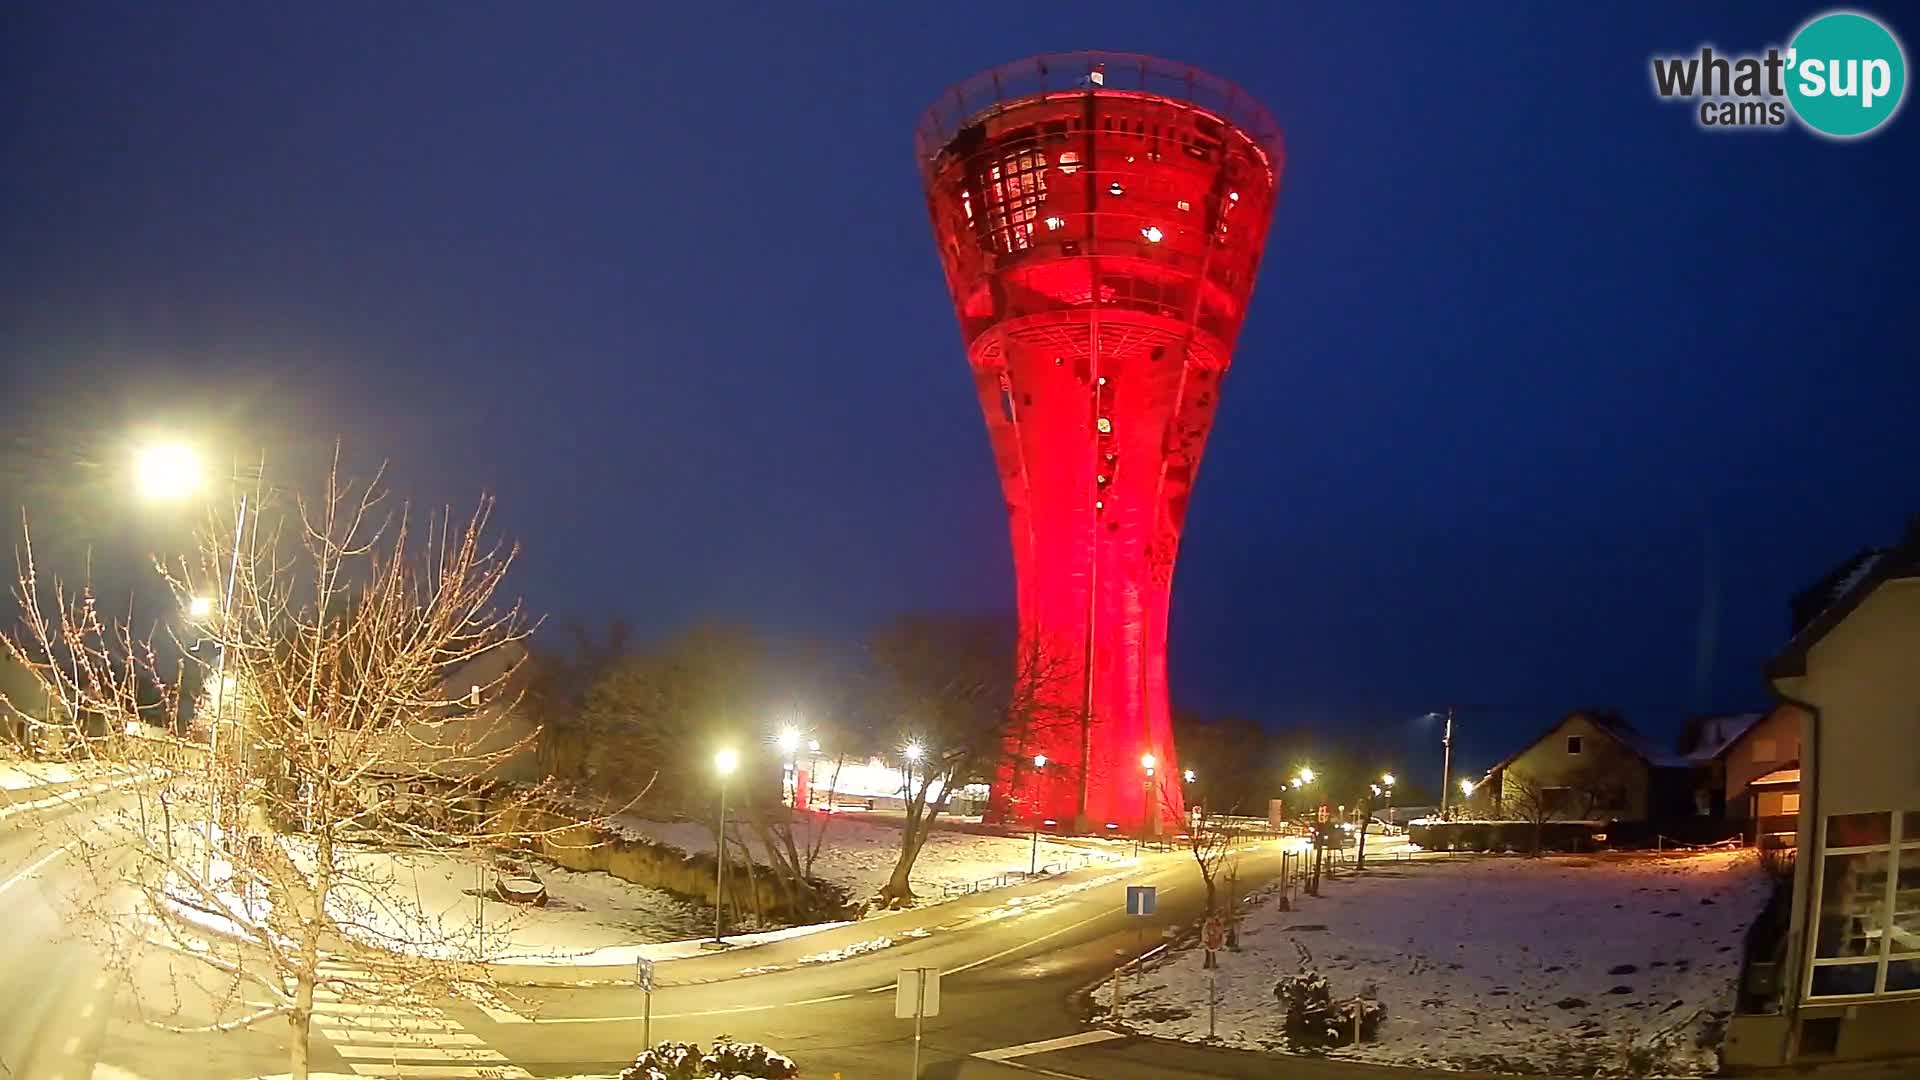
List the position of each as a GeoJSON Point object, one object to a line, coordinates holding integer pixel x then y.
{"type": "Point", "coordinates": [1099, 504]}
{"type": "Point", "coordinates": [1234, 195]}
{"type": "Point", "coordinates": [1153, 234]}
{"type": "Point", "coordinates": [1182, 204]}
{"type": "Point", "coordinates": [1055, 222]}
{"type": "Point", "coordinates": [1100, 479]}
{"type": "Point", "coordinates": [1862, 945]}
{"type": "Point", "coordinates": [1103, 380]}
{"type": "Point", "coordinates": [1069, 163]}
{"type": "Point", "coordinates": [1115, 188]}
{"type": "Point", "coordinates": [1105, 425]}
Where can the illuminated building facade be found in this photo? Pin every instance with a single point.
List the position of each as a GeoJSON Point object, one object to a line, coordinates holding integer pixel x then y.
{"type": "Point", "coordinates": [1100, 218]}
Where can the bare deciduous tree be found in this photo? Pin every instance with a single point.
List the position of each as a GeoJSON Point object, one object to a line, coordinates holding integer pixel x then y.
{"type": "Point", "coordinates": [1525, 798]}
{"type": "Point", "coordinates": [972, 700]}
{"type": "Point", "coordinates": [359, 682]}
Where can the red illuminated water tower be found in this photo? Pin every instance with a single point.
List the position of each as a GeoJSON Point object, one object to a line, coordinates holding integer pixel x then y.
{"type": "Point", "coordinates": [1100, 218]}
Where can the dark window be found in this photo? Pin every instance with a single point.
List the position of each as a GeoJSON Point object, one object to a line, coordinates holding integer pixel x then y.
{"type": "Point", "coordinates": [1820, 1036]}
{"type": "Point", "coordinates": [1573, 744]}
{"type": "Point", "coordinates": [1857, 830]}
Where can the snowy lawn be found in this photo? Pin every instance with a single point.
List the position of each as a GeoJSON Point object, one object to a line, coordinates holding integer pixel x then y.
{"type": "Point", "coordinates": [1555, 965]}
{"type": "Point", "coordinates": [425, 903]}
{"type": "Point", "coordinates": [858, 855]}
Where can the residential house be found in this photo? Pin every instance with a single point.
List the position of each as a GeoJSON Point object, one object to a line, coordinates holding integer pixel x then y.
{"type": "Point", "coordinates": [1592, 765]}
{"type": "Point", "coordinates": [1760, 777]}
{"type": "Point", "coordinates": [1704, 742]}
{"type": "Point", "coordinates": [1848, 966]}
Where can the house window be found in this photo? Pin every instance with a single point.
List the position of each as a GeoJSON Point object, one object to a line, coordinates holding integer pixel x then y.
{"type": "Point", "coordinates": [1763, 750]}
{"type": "Point", "coordinates": [1867, 907]}
{"type": "Point", "coordinates": [1573, 744]}
{"type": "Point", "coordinates": [1790, 803]}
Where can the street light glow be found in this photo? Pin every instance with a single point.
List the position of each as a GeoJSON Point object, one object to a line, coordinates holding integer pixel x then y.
{"type": "Point", "coordinates": [1387, 779]}
{"type": "Point", "coordinates": [913, 751]}
{"type": "Point", "coordinates": [725, 761]}
{"type": "Point", "coordinates": [1147, 762]}
{"type": "Point", "coordinates": [1466, 787]}
{"type": "Point", "coordinates": [788, 740]}
{"type": "Point", "coordinates": [1306, 776]}
{"type": "Point", "coordinates": [1039, 761]}
{"type": "Point", "coordinates": [813, 746]}
{"type": "Point", "coordinates": [167, 470]}
{"type": "Point", "coordinates": [200, 607]}
{"type": "Point", "coordinates": [1189, 776]}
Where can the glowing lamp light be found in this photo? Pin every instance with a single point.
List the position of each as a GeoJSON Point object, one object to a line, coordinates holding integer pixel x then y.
{"type": "Point", "coordinates": [913, 751]}
{"type": "Point", "coordinates": [813, 745]}
{"type": "Point", "coordinates": [1188, 776]}
{"type": "Point", "coordinates": [725, 761]}
{"type": "Point", "coordinates": [1039, 761]}
{"type": "Point", "coordinates": [200, 607]}
{"type": "Point", "coordinates": [167, 470]}
{"type": "Point", "coordinates": [1466, 787]}
{"type": "Point", "coordinates": [1306, 775]}
{"type": "Point", "coordinates": [1153, 234]}
{"type": "Point", "coordinates": [1056, 222]}
{"type": "Point", "coordinates": [1387, 779]}
{"type": "Point", "coordinates": [788, 740]}
{"type": "Point", "coordinates": [1148, 761]}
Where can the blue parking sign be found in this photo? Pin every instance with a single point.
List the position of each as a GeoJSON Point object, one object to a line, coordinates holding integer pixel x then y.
{"type": "Point", "coordinates": [1140, 899]}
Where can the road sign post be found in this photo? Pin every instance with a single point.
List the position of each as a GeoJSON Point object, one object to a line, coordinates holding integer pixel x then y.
{"type": "Point", "coordinates": [1143, 901]}
{"type": "Point", "coordinates": [643, 974]}
{"type": "Point", "coordinates": [916, 994]}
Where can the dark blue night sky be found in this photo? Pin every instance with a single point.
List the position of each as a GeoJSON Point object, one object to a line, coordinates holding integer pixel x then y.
{"type": "Point", "coordinates": [1547, 397]}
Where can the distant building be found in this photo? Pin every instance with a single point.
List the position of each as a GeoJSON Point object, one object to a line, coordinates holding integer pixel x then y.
{"type": "Point", "coordinates": [1759, 772]}
{"type": "Point", "coordinates": [1592, 766]}
{"type": "Point", "coordinates": [1843, 981]}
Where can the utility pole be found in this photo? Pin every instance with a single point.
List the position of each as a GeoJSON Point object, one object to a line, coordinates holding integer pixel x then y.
{"type": "Point", "coordinates": [1446, 764]}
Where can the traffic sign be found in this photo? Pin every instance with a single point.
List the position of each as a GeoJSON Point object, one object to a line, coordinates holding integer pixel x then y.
{"type": "Point", "coordinates": [1142, 899]}
{"type": "Point", "coordinates": [916, 993]}
{"type": "Point", "coordinates": [643, 973]}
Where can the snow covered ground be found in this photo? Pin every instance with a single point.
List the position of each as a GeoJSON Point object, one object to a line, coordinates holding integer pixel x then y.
{"type": "Point", "coordinates": [427, 903]}
{"type": "Point", "coordinates": [859, 855]}
{"type": "Point", "coordinates": [1555, 965]}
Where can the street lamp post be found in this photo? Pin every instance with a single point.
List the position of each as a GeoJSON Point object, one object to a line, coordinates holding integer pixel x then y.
{"type": "Point", "coordinates": [1147, 762]}
{"type": "Point", "coordinates": [724, 762]}
{"type": "Point", "coordinates": [912, 752]}
{"type": "Point", "coordinates": [1033, 864]}
{"type": "Point", "coordinates": [1387, 782]}
{"type": "Point", "coordinates": [1446, 763]}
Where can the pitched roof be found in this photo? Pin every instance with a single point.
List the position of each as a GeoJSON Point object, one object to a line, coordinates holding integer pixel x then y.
{"type": "Point", "coordinates": [1615, 726]}
{"type": "Point", "coordinates": [1844, 588]}
{"type": "Point", "coordinates": [1713, 735]}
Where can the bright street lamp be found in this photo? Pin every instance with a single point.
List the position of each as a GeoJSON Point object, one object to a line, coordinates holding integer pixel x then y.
{"type": "Point", "coordinates": [788, 740]}
{"type": "Point", "coordinates": [200, 607]}
{"type": "Point", "coordinates": [913, 751]}
{"type": "Point", "coordinates": [1387, 779]}
{"type": "Point", "coordinates": [1039, 761]}
{"type": "Point", "coordinates": [1466, 787]}
{"type": "Point", "coordinates": [1306, 776]}
{"type": "Point", "coordinates": [167, 470]}
{"type": "Point", "coordinates": [724, 762]}
{"type": "Point", "coordinates": [1188, 776]}
{"type": "Point", "coordinates": [1147, 762]}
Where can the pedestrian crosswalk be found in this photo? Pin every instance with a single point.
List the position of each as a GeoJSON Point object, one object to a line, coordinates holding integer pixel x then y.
{"type": "Point", "coordinates": [398, 1038]}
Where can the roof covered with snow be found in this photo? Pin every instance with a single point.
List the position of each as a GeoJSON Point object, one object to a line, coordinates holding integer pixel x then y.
{"type": "Point", "coordinates": [1711, 736]}
{"type": "Point", "coordinates": [1819, 609]}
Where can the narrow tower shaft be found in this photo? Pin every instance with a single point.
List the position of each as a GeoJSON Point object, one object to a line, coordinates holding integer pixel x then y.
{"type": "Point", "coordinates": [1100, 219]}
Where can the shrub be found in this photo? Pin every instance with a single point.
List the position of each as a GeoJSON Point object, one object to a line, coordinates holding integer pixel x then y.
{"type": "Point", "coordinates": [729, 1059]}
{"type": "Point", "coordinates": [1312, 1019]}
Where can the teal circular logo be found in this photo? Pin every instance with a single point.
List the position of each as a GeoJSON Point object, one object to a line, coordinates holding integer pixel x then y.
{"type": "Point", "coordinates": [1846, 74]}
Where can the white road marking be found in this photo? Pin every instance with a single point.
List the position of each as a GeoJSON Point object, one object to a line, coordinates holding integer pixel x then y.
{"type": "Point", "coordinates": [1066, 1042]}
{"type": "Point", "coordinates": [420, 1053]}
{"type": "Point", "coordinates": [675, 1016]}
{"type": "Point", "coordinates": [36, 864]}
{"type": "Point", "coordinates": [440, 1072]}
